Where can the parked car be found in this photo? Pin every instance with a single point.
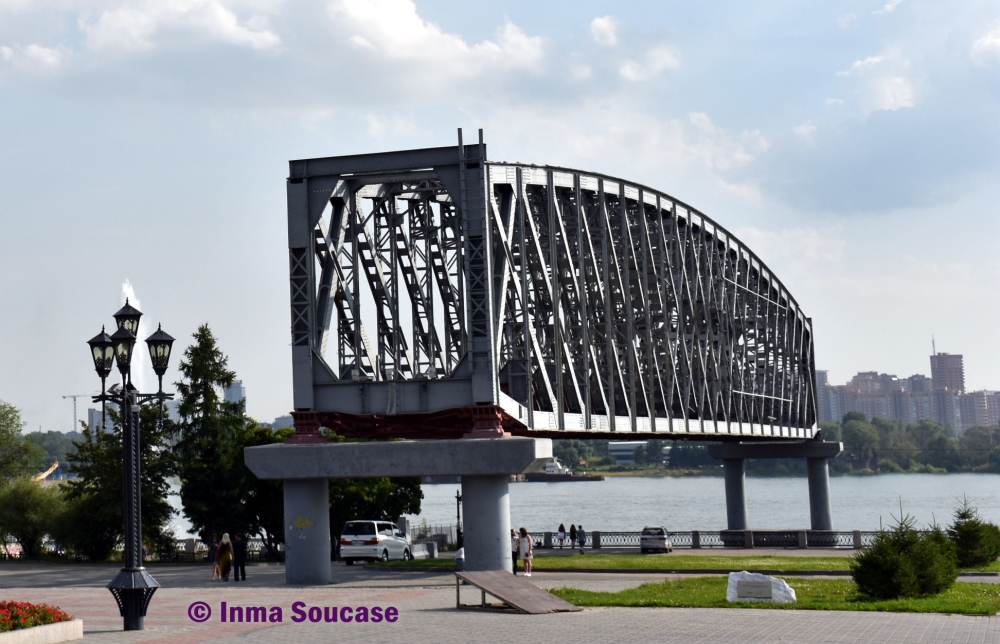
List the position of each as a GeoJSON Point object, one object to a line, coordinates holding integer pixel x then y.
{"type": "Point", "coordinates": [373, 541]}
{"type": "Point", "coordinates": [655, 538]}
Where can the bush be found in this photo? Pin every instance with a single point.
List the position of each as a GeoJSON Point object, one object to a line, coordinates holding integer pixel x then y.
{"type": "Point", "coordinates": [18, 615]}
{"type": "Point", "coordinates": [905, 563]}
{"type": "Point", "coordinates": [889, 467]}
{"type": "Point", "coordinates": [977, 542]}
{"type": "Point", "coordinates": [89, 527]}
{"type": "Point", "coordinates": [27, 513]}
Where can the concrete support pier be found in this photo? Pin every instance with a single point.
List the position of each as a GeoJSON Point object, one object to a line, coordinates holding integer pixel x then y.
{"type": "Point", "coordinates": [819, 493]}
{"type": "Point", "coordinates": [307, 526]}
{"type": "Point", "coordinates": [484, 464]}
{"type": "Point", "coordinates": [734, 469]}
{"type": "Point", "coordinates": [486, 533]}
{"type": "Point", "coordinates": [817, 454]}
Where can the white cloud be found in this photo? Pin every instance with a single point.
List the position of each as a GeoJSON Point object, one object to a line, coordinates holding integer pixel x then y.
{"type": "Point", "coordinates": [616, 136]}
{"type": "Point", "coordinates": [859, 65]}
{"type": "Point", "coordinates": [889, 7]}
{"type": "Point", "coordinates": [882, 82]}
{"type": "Point", "coordinates": [834, 102]}
{"type": "Point", "coordinates": [847, 20]}
{"type": "Point", "coordinates": [891, 94]}
{"type": "Point", "coordinates": [31, 56]}
{"type": "Point", "coordinates": [754, 139]}
{"type": "Point", "coordinates": [792, 250]}
{"type": "Point", "coordinates": [381, 126]}
{"type": "Point", "coordinates": [605, 31]}
{"type": "Point", "coordinates": [717, 149]}
{"type": "Point", "coordinates": [806, 131]}
{"type": "Point", "coordinates": [988, 44]}
{"type": "Point", "coordinates": [580, 72]}
{"type": "Point", "coordinates": [143, 26]}
{"type": "Point", "coordinates": [395, 31]}
{"type": "Point", "coordinates": [655, 61]}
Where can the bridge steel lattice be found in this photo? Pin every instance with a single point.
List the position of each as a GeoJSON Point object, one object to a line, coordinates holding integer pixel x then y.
{"type": "Point", "coordinates": [434, 288]}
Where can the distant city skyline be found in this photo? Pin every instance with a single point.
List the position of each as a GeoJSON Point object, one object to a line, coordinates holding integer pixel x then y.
{"type": "Point", "coordinates": [942, 397]}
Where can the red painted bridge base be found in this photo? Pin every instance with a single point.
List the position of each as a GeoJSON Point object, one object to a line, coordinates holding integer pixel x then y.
{"type": "Point", "coordinates": [484, 421]}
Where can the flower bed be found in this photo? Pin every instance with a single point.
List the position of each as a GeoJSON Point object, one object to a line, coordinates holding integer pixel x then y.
{"type": "Point", "coordinates": [18, 615]}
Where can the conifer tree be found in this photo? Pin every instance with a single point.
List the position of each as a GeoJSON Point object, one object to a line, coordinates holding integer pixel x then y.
{"type": "Point", "coordinates": [210, 441]}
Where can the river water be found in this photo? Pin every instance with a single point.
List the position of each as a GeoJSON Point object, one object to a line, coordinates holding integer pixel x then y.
{"type": "Point", "coordinates": [699, 502]}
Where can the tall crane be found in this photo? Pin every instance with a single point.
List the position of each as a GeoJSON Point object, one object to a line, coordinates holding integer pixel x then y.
{"type": "Point", "coordinates": [76, 423]}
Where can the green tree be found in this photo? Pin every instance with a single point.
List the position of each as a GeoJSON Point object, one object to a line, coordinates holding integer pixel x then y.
{"type": "Point", "coordinates": [27, 513]}
{"type": "Point", "coordinates": [210, 438]}
{"type": "Point", "coordinates": [56, 446]}
{"type": "Point", "coordinates": [860, 439]}
{"type": "Point", "coordinates": [942, 451]}
{"type": "Point", "coordinates": [977, 542]}
{"type": "Point", "coordinates": [853, 415]}
{"type": "Point", "coordinates": [976, 444]}
{"type": "Point", "coordinates": [831, 431]}
{"type": "Point", "coordinates": [993, 460]}
{"type": "Point", "coordinates": [905, 563]}
{"type": "Point", "coordinates": [94, 520]}
{"type": "Point", "coordinates": [263, 499]}
{"type": "Point", "coordinates": [690, 455]}
{"type": "Point", "coordinates": [17, 455]}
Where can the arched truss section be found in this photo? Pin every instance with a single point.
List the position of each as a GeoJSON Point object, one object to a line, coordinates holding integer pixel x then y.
{"type": "Point", "coordinates": [425, 282]}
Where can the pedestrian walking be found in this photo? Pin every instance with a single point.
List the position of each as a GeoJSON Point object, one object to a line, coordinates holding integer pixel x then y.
{"type": "Point", "coordinates": [460, 559]}
{"type": "Point", "coordinates": [524, 547]}
{"type": "Point", "coordinates": [582, 536]}
{"type": "Point", "coordinates": [572, 536]}
{"type": "Point", "coordinates": [213, 555]}
{"type": "Point", "coordinates": [513, 549]}
{"type": "Point", "coordinates": [561, 534]}
{"type": "Point", "coordinates": [239, 557]}
{"type": "Point", "coordinates": [225, 556]}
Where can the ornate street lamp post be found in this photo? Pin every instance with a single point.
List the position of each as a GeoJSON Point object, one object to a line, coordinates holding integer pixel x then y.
{"type": "Point", "coordinates": [133, 587]}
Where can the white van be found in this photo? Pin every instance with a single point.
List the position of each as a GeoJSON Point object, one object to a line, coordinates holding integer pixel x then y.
{"type": "Point", "coordinates": [373, 541]}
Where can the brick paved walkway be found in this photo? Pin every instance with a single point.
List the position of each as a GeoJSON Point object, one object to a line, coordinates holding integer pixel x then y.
{"type": "Point", "coordinates": [426, 612]}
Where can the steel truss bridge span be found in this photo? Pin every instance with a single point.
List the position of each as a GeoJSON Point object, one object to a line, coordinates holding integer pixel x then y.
{"type": "Point", "coordinates": [432, 289]}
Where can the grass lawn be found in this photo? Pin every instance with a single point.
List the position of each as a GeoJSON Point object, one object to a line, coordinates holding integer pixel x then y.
{"type": "Point", "coordinates": [812, 594]}
{"type": "Point", "coordinates": [671, 562]}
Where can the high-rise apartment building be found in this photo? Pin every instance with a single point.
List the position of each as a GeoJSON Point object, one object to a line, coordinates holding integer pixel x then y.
{"type": "Point", "coordinates": [947, 372]}
{"type": "Point", "coordinates": [980, 408]}
{"type": "Point", "coordinates": [236, 393]}
{"type": "Point", "coordinates": [93, 420]}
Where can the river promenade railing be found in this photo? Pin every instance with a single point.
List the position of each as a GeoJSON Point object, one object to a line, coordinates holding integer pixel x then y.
{"type": "Point", "coordinates": [192, 551]}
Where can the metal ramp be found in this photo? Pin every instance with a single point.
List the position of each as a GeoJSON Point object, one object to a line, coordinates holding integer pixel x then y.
{"type": "Point", "coordinates": [514, 593]}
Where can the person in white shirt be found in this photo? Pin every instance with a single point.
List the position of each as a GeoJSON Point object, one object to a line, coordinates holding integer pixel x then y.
{"type": "Point", "coordinates": [460, 559]}
{"type": "Point", "coordinates": [524, 549]}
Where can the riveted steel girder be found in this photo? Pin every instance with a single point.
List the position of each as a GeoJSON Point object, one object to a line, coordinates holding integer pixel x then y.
{"type": "Point", "coordinates": [574, 302]}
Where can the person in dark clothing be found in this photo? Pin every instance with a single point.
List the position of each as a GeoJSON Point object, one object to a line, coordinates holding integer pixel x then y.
{"type": "Point", "coordinates": [572, 536]}
{"type": "Point", "coordinates": [239, 558]}
{"type": "Point", "coordinates": [213, 555]}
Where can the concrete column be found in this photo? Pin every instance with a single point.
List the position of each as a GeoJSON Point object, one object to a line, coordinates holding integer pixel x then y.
{"type": "Point", "coordinates": [736, 493]}
{"type": "Point", "coordinates": [486, 505]}
{"type": "Point", "coordinates": [307, 531]}
{"type": "Point", "coordinates": [819, 494]}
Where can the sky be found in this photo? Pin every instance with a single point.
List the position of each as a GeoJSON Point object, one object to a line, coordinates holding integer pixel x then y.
{"type": "Point", "coordinates": [853, 145]}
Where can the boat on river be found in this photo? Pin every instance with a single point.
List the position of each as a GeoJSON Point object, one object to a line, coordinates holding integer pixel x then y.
{"type": "Point", "coordinates": [555, 471]}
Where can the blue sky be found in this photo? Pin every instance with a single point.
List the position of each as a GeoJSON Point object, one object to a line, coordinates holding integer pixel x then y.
{"type": "Point", "coordinates": [854, 145]}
